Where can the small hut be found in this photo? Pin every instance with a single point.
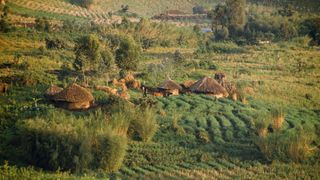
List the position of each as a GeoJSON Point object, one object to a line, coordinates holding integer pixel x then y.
{"type": "Point", "coordinates": [74, 97]}
{"type": "Point", "coordinates": [169, 87]}
{"type": "Point", "coordinates": [209, 86]}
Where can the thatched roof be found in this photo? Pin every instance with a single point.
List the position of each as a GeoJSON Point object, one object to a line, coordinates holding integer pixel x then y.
{"type": "Point", "coordinates": [74, 94]}
{"type": "Point", "coordinates": [53, 90]}
{"type": "Point", "coordinates": [208, 85]}
{"type": "Point", "coordinates": [169, 85]}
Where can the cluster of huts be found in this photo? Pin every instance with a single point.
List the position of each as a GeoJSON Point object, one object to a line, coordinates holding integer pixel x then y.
{"type": "Point", "coordinates": [76, 97]}
{"type": "Point", "coordinates": [218, 87]}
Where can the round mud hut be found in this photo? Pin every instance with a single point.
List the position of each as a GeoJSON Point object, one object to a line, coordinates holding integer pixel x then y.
{"type": "Point", "coordinates": [209, 86]}
{"type": "Point", "coordinates": [74, 97]}
{"type": "Point", "coordinates": [169, 88]}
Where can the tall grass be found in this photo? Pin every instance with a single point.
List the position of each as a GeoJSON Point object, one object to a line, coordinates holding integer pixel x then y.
{"type": "Point", "coordinates": [144, 124]}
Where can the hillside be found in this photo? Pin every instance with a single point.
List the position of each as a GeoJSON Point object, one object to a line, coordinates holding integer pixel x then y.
{"type": "Point", "coordinates": [101, 8]}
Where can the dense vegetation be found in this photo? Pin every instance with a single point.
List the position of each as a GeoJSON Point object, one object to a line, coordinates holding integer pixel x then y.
{"type": "Point", "coordinates": [271, 53]}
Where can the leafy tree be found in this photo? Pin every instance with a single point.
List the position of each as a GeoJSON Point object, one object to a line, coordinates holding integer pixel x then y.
{"type": "Point", "coordinates": [87, 51]}
{"type": "Point", "coordinates": [127, 55]}
{"type": "Point", "coordinates": [237, 14]}
{"type": "Point", "coordinates": [232, 15]}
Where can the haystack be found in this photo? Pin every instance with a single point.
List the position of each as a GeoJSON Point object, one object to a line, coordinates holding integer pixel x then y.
{"type": "Point", "coordinates": [53, 90]}
{"type": "Point", "coordinates": [169, 87]}
{"type": "Point", "coordinates": [209, 86]}
{"type": "Point", "coordinates": [74, 97]}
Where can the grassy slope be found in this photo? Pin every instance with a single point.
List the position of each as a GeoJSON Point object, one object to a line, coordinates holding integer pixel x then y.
{"type": "Point", "coordinates": [230, 153]}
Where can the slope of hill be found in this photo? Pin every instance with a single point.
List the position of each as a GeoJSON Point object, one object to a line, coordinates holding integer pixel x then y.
{"type": "Point", "coordinates": [101, 8]}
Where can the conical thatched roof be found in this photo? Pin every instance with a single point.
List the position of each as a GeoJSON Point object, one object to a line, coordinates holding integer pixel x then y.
{"type": "Point", "coordinates": [53, 90]}
{"type": "Point", "coordinates": [208, 85]}
{"type": "Point", "coordinates": [169, 85]}
{"type": "Point", "coordinates": [74, 94]}
{"type": "Point", "coordinates": [188, 83]}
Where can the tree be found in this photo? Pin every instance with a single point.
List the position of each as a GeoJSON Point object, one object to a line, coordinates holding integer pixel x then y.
{"type": "Point", "coordinates": [87, 51]}
{"type": "Point", "coordinates": [232, 15]}
{"type": "Point", "coordinates": [237, 14]}
{"type": "Point", "coordinates": [127, 55]}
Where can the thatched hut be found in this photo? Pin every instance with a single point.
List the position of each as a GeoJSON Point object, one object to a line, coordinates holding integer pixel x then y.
{"type": "Point", "coordinates": [74, 97]}
{"type": "Point", "coordinates": [169, 87]}
{"type": "Point", "coordinates": [209, 86]}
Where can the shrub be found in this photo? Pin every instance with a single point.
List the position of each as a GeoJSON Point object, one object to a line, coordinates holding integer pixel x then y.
{"type": "Point", "coordinates": [223, 47]}
{"type": "Point", "coordinates": [178, 57]}
{"type": "Point", "coordinates": [144, 124]}
{"type": "Point", "coordinates": [55, 43]}
{"type": "Point", "coordinates": [127, 55]}
{"type": "Point", "coordinates": [289, 146]}
{"type": "Point", "coordinates": [261, 124]}
{"type": "Point", "coordinates": [71, 143]}
{"type": "Point", "coordinates": [33, 77]}
{"type": "Point", "coordinates": [278, 118]}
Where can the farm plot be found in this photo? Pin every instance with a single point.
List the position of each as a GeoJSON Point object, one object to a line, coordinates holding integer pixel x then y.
{"type": "Point", "coordinates": [229, 151]}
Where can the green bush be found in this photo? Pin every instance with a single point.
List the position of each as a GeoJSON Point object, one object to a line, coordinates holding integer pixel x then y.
{"type": "Point", "coordinates": [144, 124]}
{"type": "Point", "coordinates": [73, 143]}
{"type": "Point", "coordinates": [128, 54]}
{"type": "Point", "coordinates": [33, 77]}
{"type": "Point", "coordinates": [295, 145]}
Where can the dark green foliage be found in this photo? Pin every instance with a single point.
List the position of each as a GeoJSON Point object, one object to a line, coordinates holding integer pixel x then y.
{"type": "Point", "coordinates": [55, 43]}
{"type": "Point", "coordinates": [82, 3]}
{"type": "Point", "coordinates": [288, 146]}
{"type": "Point", "coordinates": [5, 25]}
{"type": "Point", "coordinates": [87, 51]}
{"type": "Point", "coordinates": [69, 143]}
{"type": "Point", "coordinates": [178, 57]}
{"type": "Point", "coordinates": [34, 77]}
{"type": "Point", "coordinates": [128, 54]}
{"type": "Point", "coordinates": [198, 10]}
{"type": "Point", "coordinates": [144, 124]}
{"type": "Point", "coordinates": [312, 28]}
{"type": "Point", "coordinates": [237, 15]}
{"type": "Point", "coordinates": [107, 60]}
{"type": "Point", "coordinates": [43, 24]}
{"type": "Point", "coordinates": [221, 34]}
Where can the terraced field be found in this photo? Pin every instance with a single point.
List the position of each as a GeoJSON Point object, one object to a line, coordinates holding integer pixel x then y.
{"type": "Point", "coordinates": [230, 152]}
